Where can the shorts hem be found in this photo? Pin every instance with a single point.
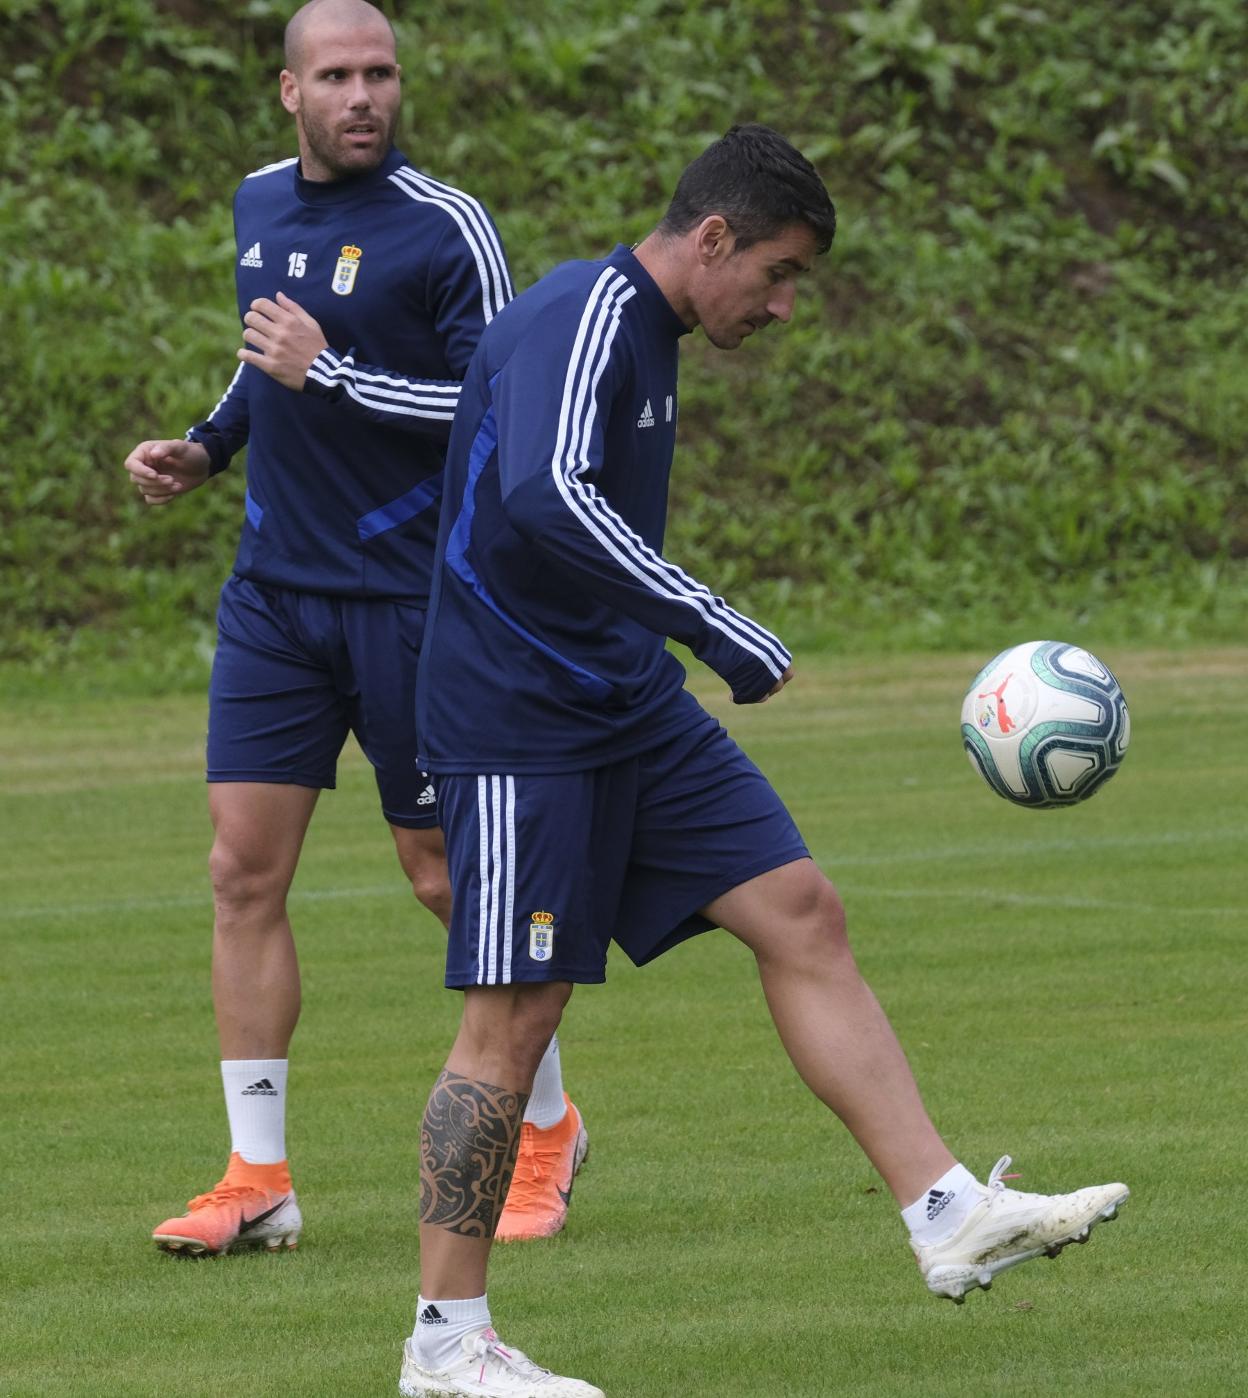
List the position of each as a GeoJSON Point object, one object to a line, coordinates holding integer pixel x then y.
{"type": "Point", "coordinates": [412, 822]}
{"type": "Point", "coordinates": [777, 859]}
{"type": "Point", "coordinates": [597, 976]}
{"type": "Point", "coordinates": [231, 774]}
{"type": "Point", "coordinates": [683, 929]}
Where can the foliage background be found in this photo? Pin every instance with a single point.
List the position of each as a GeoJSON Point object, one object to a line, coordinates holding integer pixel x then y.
{"type": "Point", "coordinates": [1012, 401]}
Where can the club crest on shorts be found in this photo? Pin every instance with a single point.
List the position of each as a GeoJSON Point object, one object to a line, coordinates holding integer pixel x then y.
{"type": "Point", "coordinates": [541, 936]}
{"type": "Point", "coordinates": [344, 274]}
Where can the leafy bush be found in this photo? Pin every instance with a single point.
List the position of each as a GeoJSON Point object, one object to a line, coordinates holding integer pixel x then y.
{"type": "Point", "coordinates": [1012, 397]}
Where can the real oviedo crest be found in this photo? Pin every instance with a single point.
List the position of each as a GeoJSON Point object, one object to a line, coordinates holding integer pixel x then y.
{"type": "Point", "coordinates": [541, 936]}
{"type": "Point", "coordinates": [344, 273]}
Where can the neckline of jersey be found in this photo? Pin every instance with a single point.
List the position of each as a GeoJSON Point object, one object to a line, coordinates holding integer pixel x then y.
{"type": "Point", "coordinates": [350, 186]}
{"type": "Point", "coordinates": [647, 288]}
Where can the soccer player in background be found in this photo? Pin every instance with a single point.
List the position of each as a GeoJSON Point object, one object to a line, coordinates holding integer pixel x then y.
{"type": "Point", "coordinates": [320, 625]}
{"type": "Point", "coordinates": [584, 792]}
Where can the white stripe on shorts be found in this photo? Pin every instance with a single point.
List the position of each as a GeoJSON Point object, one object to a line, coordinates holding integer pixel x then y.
{"type": "Point", "coordinates": [483, 871]}
{"type": "Point", "coordinates": [509, 900]}
{"type": "Point", "coordinates": [496, 839]}
{"type": "Point", "coordinates": [496, 862]}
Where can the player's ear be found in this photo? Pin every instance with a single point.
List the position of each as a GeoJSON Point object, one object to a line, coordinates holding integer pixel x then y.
{"type": "Point", "coordinates": [289, 87]}
{"type": "Point", "coordinates": [712, 239]}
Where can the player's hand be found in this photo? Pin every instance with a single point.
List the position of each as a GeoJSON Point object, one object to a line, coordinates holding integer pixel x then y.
{"type": "Point", "coordinates": [161, 471]}
{"type": "Point", "coordinates": [287, 337]}
{"type": "Point", "coordinates": [778, 686]}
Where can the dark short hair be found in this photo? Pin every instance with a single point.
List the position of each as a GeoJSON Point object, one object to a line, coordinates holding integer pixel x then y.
{"type": "Point", "coordinates": [758, 182]}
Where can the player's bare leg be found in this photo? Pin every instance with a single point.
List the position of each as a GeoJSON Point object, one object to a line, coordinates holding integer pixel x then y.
{"type": "Point", "coordinates": [963, 1233]}
{"type": "Point", "coordinates": [468, 1143]}
{"type": "Point", "coordinates": [471, 1129]}
{"type": "Point", "coordinates": [831, 1024]}
{"type": "Point", "coordinates": [422, 853]}
{"type": "Point", "coordinates": [259, 831]}
{"type": "Point", "coordinates": [553, 1141]}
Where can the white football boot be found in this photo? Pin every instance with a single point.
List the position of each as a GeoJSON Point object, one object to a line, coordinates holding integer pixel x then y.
{"type": "Point", "coordinates": [488, 1369]}
{"type": "Point", "coordinates": [1007, 1227]}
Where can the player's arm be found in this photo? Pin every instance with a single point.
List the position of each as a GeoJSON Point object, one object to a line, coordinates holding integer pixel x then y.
{"type": "Point", "coordinates": [163, 470]}
{"type": "Point", "coordinates": [467, 284]}
{"type": "Point", "coordinates": [225, 430]}
{"type": "Point", "coordinates": [549, 410]}
{"type": "Point", "coordinates": [283, 341]}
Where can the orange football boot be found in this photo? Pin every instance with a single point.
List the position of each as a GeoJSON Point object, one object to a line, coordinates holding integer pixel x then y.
{"type": "Point", "coordinates": [252, 1205]}
{"type": "Point", "coordinates": [546, 1166]}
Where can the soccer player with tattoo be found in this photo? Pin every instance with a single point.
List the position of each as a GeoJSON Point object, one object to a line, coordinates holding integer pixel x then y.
{"type": "Point", "coordinates": [585, 793]}
{"type": "Point", "coordinates": [349, 259]}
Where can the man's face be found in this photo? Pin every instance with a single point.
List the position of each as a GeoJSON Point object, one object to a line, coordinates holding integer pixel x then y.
{"type": "Point", "coordinates": [344, 98]}
{"type": "Point", "coordinates": [740, 291]}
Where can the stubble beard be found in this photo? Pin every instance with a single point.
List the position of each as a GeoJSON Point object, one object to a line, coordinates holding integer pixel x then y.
{"type": "Point", "coordinates": [328, 152]}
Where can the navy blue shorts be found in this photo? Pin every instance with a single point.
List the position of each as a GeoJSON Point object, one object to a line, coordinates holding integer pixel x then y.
{"type": "Point", "coordinates": [295, 672]}
{"type": "Point", "coordinates": [547, 870]}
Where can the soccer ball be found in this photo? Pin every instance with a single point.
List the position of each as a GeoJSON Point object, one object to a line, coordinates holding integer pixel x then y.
{"type": "Point", "coordinates": [1045, 724]}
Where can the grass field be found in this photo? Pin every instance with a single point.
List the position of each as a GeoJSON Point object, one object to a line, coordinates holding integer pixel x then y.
{"type": "Point", "coordinates": [1070, 986]}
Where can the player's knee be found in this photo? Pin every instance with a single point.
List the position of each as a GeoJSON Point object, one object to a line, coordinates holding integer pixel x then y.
{"type": "Point", "coordinates": [815, 930]}
{"type": "Point", "coordinates": [432, 886]}
{"type": "Point", "coordinates": [423, 857]}
{"type": "Point", "coordinates": [242, 879]}
{"type": "Point", "coordinates": [514, 1023]}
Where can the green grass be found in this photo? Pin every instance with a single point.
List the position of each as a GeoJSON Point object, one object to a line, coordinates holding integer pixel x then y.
{"type": "Point", "coordinates": [1069, 986]}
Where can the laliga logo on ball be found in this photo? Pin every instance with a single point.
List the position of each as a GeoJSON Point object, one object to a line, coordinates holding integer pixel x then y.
{"type": "Point", "coordinates": [1059, 735]}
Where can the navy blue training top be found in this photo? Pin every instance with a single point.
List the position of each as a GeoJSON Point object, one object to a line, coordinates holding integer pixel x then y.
{"type": "Point", "coordinates": [544, 646]}
{"type": "Point", "coordinates": [402, 273]}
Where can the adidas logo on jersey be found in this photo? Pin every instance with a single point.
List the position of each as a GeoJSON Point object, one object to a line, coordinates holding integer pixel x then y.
{"type": "Point", "coordinates": [251, 258]}
{"type": "Point", "coordinates": [647, 416]}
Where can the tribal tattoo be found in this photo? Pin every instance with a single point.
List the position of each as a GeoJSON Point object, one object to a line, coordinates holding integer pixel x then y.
{"type": "Point", "coordinates": [468, 1145]}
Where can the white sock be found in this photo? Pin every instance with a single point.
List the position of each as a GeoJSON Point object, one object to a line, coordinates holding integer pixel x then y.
{"type": "Point", "coordinates": [441, 1325]}
{"type": "Point", "coordinates": [255, 1101]}
{"type": "Point", "coordinates": [941, 1210]}
{"type": "Point", "coordinates": [546, 1106]}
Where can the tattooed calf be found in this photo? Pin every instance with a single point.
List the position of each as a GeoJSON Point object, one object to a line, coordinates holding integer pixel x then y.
{"type": "Point", "coordinates": [467, 1153]}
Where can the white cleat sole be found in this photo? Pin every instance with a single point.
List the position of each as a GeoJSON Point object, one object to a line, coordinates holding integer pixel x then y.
{"type": "Point", "coordinates": [419, 1383]}
{"type": "Point", "coordinates": [489, 1380]}
{"type": "Point", "coordinates": [582, 1150]}
{"type": "Point", "coordinates": [953, 1282]}
{"type": "Point", "coordinates": [196, 1247]}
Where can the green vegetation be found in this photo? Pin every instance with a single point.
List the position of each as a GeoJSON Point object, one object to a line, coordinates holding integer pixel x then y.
{"type": "Point", "coordinates": [1064, 981]}
{"type": "Point", "coordinates": [1012, 401]}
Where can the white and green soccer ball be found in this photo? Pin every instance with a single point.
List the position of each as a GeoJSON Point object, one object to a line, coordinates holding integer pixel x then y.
{"type": "Point", "coordinates": [1045, 724]}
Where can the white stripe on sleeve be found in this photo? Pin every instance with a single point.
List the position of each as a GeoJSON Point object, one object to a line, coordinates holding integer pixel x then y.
{"type": "Point", "coordinates": [404, 397]}
{"type": "Point", "coordinates": [484, 246]}
{"type": "Point", "coordinates": [229, 389]}
{"type": "Point", "coordinates": [590, 354]}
